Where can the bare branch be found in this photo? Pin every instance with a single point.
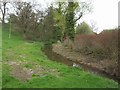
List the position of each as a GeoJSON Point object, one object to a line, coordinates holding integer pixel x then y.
{"type": "Point", "coordinates": [81, 14]}
{"type": "Point", "coordinates": [1, 10]}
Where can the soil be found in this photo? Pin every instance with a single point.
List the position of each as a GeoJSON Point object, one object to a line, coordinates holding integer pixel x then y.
{"type": "Point", "coordinates": [65, 55]}
{"type": "Point", "coordinates": [24, 74]}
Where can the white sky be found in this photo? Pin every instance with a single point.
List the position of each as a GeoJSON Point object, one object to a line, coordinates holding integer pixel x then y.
{"type": "Point", "coordinates": [105, 13]}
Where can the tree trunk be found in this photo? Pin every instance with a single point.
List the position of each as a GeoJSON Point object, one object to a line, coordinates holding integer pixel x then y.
{"type": "Point", "coordinates": [4, 12]}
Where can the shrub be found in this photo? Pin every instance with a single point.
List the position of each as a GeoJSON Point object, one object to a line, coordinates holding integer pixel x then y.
{"type": "Point", "coordinates": [103, 45]}
{"type": "Point", "coordinates": [49, 42]}
{"type": "Point", "coordinates": [84, 28]}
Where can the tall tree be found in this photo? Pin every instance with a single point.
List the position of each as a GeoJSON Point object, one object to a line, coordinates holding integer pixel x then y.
{"type": "Point", "coordinates": [49, 24]}
{"type": "Point", "coordinates": [73, 10]}
{"type": "Point", "coordinates": [69, 29]}
{"type": "Point", "coordinates": [59, 17]}
{"type": "Point", "coordinates": [28, 20]}
{"type": "Point", "coordinates": [25, 18]}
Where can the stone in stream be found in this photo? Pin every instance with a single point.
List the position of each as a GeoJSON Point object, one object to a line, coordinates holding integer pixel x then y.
{"type": "Point", "coordinates": [75, 65]}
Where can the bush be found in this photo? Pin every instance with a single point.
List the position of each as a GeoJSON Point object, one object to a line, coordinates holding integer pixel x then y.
{"type": "Point", "coordinates": [49, 42]}
{"type": "Point", "coordinates": [103, 45]}
{"type": "Point", "coordinates": [83, 29]}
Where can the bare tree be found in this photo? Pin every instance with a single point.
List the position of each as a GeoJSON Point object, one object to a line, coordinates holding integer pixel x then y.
{"type": "Point", "coordinates": [26, 18]}
{"type": "Point", "coordinates": [3, 9]}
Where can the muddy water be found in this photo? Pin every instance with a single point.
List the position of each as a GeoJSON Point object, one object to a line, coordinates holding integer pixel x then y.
{"type": "Point", "coordinates": [59, 58]}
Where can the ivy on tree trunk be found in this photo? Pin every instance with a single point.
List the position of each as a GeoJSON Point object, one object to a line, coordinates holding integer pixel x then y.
{"type": "Point", "coordinates": [69, 25]}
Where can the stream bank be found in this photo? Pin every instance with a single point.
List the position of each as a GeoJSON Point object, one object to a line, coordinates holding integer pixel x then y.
{"type": "Point", "coordinates": [48, 50]}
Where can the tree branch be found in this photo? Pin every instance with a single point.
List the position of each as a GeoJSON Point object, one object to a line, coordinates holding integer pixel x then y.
{"type": "Point", "coordinates": [79, 17]}
{"type": "Point", "coordinates": [1, 10]}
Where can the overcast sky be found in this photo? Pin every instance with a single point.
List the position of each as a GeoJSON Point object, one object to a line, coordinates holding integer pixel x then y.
{"type": "Point", "coordinates": [105, 13]}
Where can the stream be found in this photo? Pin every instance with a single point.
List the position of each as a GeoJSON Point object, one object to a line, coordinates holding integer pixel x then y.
{"type": "Point", "coordinates": [59, 58]}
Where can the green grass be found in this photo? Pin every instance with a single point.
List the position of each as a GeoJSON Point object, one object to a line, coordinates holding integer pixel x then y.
{"type": "Point", "coordinates": [16, 49]}
{"type": "Point", "coordinates": [0, 56]}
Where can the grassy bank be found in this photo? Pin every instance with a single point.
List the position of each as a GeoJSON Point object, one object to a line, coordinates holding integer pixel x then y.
{"type": "Point", "coordinates": [0, 56]}
{"type": "Point", "coordinates": [49, 74]}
